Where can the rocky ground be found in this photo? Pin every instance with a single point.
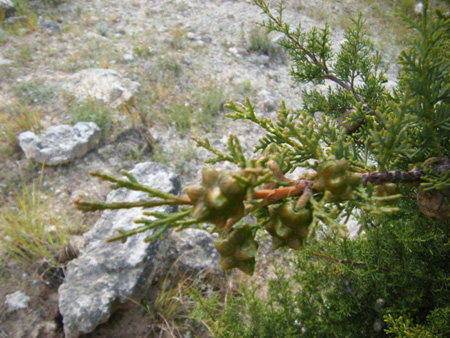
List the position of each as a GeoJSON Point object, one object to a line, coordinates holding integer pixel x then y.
{"type": "Point", "coordinates": [172, 57]}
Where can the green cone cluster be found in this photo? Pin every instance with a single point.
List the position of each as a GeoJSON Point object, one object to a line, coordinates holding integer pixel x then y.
{"type": "Point", "coordinates": [217, 198]}
{"type": "Point", "coordinates": [289, 226]}
{"type": "Point", "coordinates": [237, 250]}
{"type": "Point", "coordinates": [385, 191]}
{"type": "Point", "coordinates": [335, 179]}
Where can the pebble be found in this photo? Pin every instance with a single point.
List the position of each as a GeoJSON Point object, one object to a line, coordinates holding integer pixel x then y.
{"type": "Point", "coordinates": [128, 57]}
{"type": "Point", "coordinates": [190, 36]}
{"type": "Point", "coordinates": [17, 300]}
{"type": "Point", "coordinates": [233, 50]}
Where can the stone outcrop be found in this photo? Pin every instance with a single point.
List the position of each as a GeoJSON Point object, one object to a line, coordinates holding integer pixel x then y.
{"type": "Point", "coordinates": [102, 85]}
{"type": "Point", "coordinates": [60, 144]}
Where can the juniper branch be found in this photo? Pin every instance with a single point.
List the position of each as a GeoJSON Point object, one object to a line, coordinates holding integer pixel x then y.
{"type": "Point", "coordinates": [132, 184]}
{"type": "Point", "coordinates": [87, 206]}
{"type": "Point", "coordinates": [160, 224]}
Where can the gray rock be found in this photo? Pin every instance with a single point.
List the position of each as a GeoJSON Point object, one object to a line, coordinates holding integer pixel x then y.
{"type": "Point", "coordinates": [267, 100]}
{"type": "Point", "coordinates": [44, 329]}
{"type": "Point", "coordinates": [17, 300]}
{"type": "Point", "coordinates": [187, 59]}
{"type": "Point", "coordinates": [48, 25]}
{"type": "Point", "coordinates": [61, 144]}
{"type": "Point", "coordinates": [106, 275]}
{"type": "Point", "coordinates": [192, 250]}
{"type": "Point", "coordinates": [104, 85]}
{"type": "Point", "coordinates": [128, 57]}
{"type": "Point", "coordinates": [7, 8]}
{"type": "Point", "coordinates": [5, 62]}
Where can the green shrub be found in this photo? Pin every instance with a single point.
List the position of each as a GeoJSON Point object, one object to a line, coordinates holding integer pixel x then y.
{"type": "Point", "coordinates": [180, 114]}
{"type": "Point", "coordinates": [211, 104]}
{"type": "Point", "coordinates": [90, 111]}
{"type": "Point", "coordinates": [259, 41]}
{"type": "Point", "coordinates": [33, 231]}
{"type": "Point", "coordinates": [20, 118]}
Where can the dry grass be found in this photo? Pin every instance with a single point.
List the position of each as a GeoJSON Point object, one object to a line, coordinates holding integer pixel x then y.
{"type": "Point", "coordinates": [32, 230]}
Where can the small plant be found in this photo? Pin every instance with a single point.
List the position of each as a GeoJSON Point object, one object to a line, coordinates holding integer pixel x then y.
{"type": "Point", "coordinates": [25, 54]}
{"type": "Point", "coordinates": [90, 111]}
{"type": "Point", "coordinates": [21, 118]}
{"type": "Point", "coordinates": [211, 104]}
{"type": "Point", "coordinates": [28, 12]}
{"type": "Point", "coordinates": [32, 231]}
{"type": "Point", "coordinates": [259, 41]}
{"type": "Point", "coordinates": [177, 39]}
{"type": "Point", "coordinates": [171, 64]}
{"type": "Point", "coordinates": [32, 93]}
{"type": "Point", "coordinates": [169, 307]}
{"type": "Point", "coordinates": [178, 159]}
{"type": "Point", "coordinates": [169, 310]}
{"type": "Point", "coordinates": [180, 114]}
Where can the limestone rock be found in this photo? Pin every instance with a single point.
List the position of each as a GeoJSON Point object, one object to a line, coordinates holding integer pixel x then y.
{"type": "Point", "coordinates": [61, 144]}
{"type": "Point", "coordinates": [17, 300]}
{"type": "Point", "coordinates": [104, 85]}
{"type": "Point", "coordinates": [192, 250]}
{"type": "Point", "coordinates": [106, 275]}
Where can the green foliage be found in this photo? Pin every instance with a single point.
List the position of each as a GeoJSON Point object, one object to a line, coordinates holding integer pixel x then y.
{"type": "Point", "coordinates": [437, 325]}
{"type": "Point", "coordinates": [30, 93]}
{"type": "Point", "coordinates": [259, 41]}
{"type": "Point", "coordinates": [376, 154]}
{"type": "Point", "coordinates": [180, 114]}
{"type": "Point", "coordinates": [211, 104]}
{"type": "Point", "coordinates": [347, 286]}
{"type": "Point", "coordinates": [425, 82]}
{"type": "Point", "coordinates": [19, 119]}
{"type": "Point", "coordinates": [90, 111]}
{"type": "Point", "coordinates": [32, 231]}
{"type": "Point", "coordinates": [168, 311]}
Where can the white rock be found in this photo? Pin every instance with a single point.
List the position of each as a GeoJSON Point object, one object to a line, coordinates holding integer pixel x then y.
{"type": "Point", "coordinates": [418, 8]}
{"type": "Point", "coordinates": [233, 50]}
{"type": "Point", "coordinates": [104, 85]}
{"type": "Point", "coordinates": [128, 57]}
{"type": "Point", "coordinates": [5, 62]}
{"type": "Point", "coordinates": [190, 36]}
{"type": "Point", "coordinates": [61, 144]}
{"type": "Point", "coordinates": [17, 300]}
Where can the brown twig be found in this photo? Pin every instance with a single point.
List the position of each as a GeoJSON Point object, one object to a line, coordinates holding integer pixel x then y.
{"type": "Point", "coordinates": [392, 176]}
